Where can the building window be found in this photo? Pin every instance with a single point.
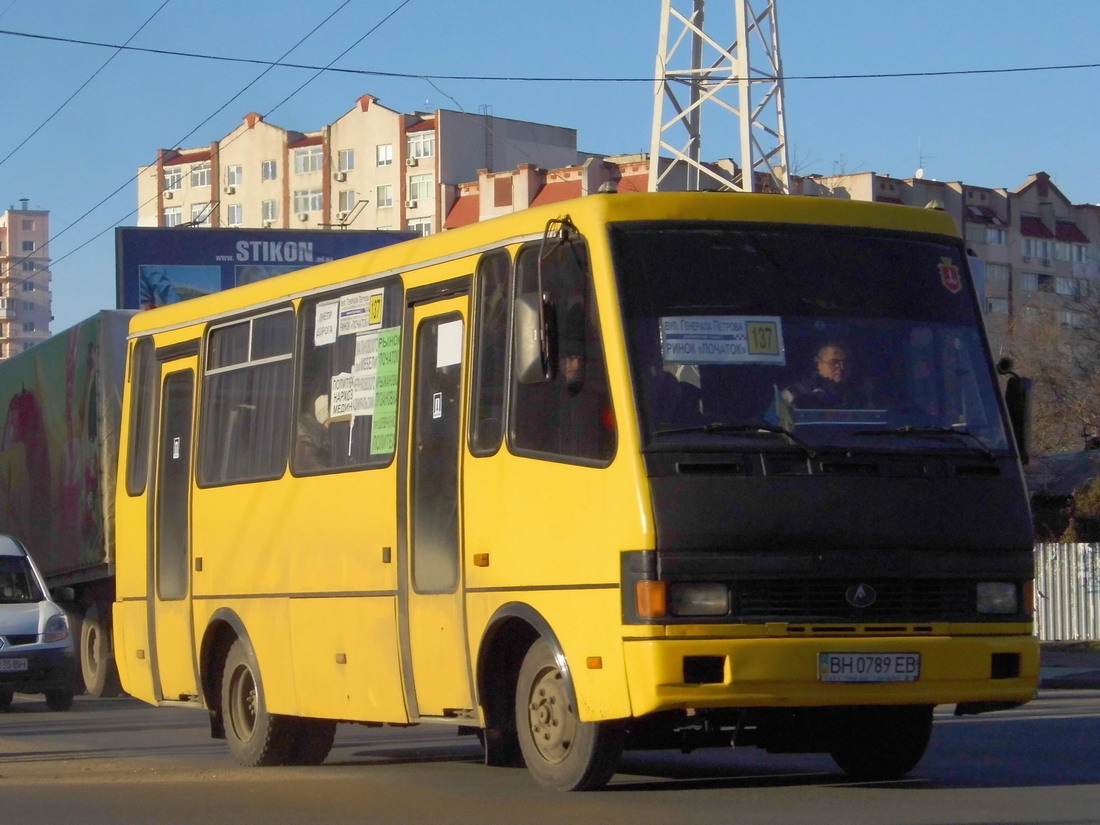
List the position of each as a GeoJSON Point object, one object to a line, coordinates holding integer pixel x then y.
{"type": "Point", "coordinates": [995, 236]}
{"type": "Point", "coordinates": [1035, 247]}
{"type": "Point", "coordinates": [420, 188]}
{"type": "Point", "coordinates": [1029, 281]}
{"type": "Point", "coordinates": [268, 170]}
{"type": "Point", "coordinates": [996, 306]}
{"type": "Point", "coordinates": [200, 174]}
{"type": "Point", "coordinates": [422, 145]}
{"type": "Point", "coordinates": [28, 246]}
{"type": "Point", "coordinates": [346, 199]}
{"type": "Point", "coordinates": [173, 216]}
{"type": "Point", "coordinates": [28, 266]}
{"type": "Point", "coordinates": [270, 211]}
{"type": "Point", "coordinates": [200, 214]}
{"type": "Point", "coordinates": [384, 195]}
{"type": "Point", "coordinates": [28, 306]}
{"type": "Point", "coordinates": [421, 226]}
{"type": "Point", "coordinates": [996, 273]}
{"type": "Point", "coordinates": [235, 214]}
{"type": "Point", "coordinates": [975, 233]}
{"type": "Point", "coordinates": [308, 160]}
{"type": "Point", "coordinates": [28, 225]}
{"type": "Point", "coordinates": [307, 200]}
{"type": "Point", "coordinates": [173, 179]}
{"type": "Point", "coordinates": [1069, 252]}
{"type": "Point", "coordinates": [345, 160]}
{"type": "Point", "coordinates": [384, 154]}
{"type": "Point", "coordinates": [28, 326]}
{"type": "Point", "coordinates": [234, 175]}
{"type": "Point", "coordinates": [28, 286]}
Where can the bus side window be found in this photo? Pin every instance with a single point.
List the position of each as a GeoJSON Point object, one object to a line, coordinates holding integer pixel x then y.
{"type": "Point", "coordinates": [569, 414]}
{"type": "Point", "coordinates": [143, 405]}
{"type": "Point", "coordinates": [246, 411]}
{"type": "Point", "coordinates": [494, 288]}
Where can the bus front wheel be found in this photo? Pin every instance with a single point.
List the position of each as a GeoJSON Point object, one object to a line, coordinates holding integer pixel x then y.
{"type": "Point", "coordinates": [561, 752]}
{"type": "Point", "coordinates": [881, 743]}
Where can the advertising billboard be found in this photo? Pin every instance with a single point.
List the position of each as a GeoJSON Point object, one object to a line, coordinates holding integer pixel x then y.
{"type": "Point", "coordinates": [157, 266]}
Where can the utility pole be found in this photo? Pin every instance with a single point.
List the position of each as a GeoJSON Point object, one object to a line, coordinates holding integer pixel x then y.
{"type": "Point", "coordinates": [740, 88]}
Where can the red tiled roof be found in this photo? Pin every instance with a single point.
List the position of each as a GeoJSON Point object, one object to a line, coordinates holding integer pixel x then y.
{"type": "Point", "coordinates": [634, 183]}
{"type": "Point", "coordinates": [1070, 232]}
{"type": "Point", "coordinates": [466, 210]}
{"type": "Point", "coordinates": [195, 157]}
{"type": "Point", "coordinates": [555, 191]}
{"type": "Point", "coordinates": [1032, 227]}
{"type": "Point", "coordinates": [316, 140]}
{"type": "Point", "coordinates": [422, 126]}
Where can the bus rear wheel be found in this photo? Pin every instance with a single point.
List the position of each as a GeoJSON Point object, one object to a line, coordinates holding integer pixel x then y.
{"type": "Point", "coordinates": [561, 752]}
{"type": "Point", "coordinates": [881, 743]}
{"type": "Point", "coordinates": [256, 738]}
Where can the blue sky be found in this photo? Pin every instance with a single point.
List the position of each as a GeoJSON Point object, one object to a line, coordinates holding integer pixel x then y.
{"type": "Point", "coordinates": [985, 129]}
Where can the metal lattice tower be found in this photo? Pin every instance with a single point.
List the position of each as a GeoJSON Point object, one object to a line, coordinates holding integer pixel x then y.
{"type": "Point", "coordinates": [740, 88]}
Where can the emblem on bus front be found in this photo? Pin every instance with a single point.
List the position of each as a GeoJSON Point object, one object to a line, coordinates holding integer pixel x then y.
{"type": "Point", "coordinates": [860, 595]}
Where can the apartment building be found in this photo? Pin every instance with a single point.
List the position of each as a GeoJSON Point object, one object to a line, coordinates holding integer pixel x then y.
{"type": "Point", "coordinates": [25, 304]}
{"type": "Point", "coordinates": [372, 168]}
{"type": "Point", "coordinates": [1040, 253]}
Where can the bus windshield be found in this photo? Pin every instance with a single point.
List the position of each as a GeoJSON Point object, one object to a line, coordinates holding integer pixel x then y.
{"type": "Point", "coordinates": [824, 337]}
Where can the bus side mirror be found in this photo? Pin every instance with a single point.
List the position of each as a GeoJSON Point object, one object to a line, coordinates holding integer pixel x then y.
{"type": "Point", "coordinates": [1018, 402]}
{"type": "Point", "coordinates": [534, 341]}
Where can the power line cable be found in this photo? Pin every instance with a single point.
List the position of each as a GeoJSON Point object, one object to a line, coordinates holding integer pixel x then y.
{"type": "Point", "coordinates": [270, 66]}
{"type": "Point", "coordinates": [545, 79]}
{"type": "Point", "coordinates": [83, 85]}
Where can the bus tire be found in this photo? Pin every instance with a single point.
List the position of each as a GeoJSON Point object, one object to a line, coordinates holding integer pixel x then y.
{"type": "Point", "coordinates": [308, 740]}
{"type": "Point", "coordinates": [561, 752]}
{"type": "Point", "coordinates": [6, 697]}
{"type": "Point", "coordinates": [881, 743]}
{"type": "Point", "coordinates": [97, 665]}
{"type": "Point", "coordinates": [256, 738]}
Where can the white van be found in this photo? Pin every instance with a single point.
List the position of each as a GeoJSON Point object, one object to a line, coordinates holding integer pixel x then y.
{"type": "Point", "coordinates": [36, 648]}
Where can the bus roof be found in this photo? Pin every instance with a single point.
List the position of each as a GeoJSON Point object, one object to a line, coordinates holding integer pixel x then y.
{"type": "Point", "coordinates": [601, 208]}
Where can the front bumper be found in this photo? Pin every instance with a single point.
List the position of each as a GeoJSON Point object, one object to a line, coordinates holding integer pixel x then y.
{"type": "Point", "coordinates": [48, 669]}
{"type": "Point", "coordinates": [677, 673]}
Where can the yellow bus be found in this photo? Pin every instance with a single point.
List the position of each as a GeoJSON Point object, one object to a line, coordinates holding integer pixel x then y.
{"type": "Point", "coordinates": [629, 471]}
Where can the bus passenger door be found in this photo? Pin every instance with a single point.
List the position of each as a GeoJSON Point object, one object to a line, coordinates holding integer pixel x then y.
{"type": "Point", "coordinates": [433, 638]}
{"type": "Point", "coordinates": [170, 545]}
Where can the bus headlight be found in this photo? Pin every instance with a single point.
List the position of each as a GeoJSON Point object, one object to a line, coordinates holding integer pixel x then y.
{"type": "Point", "coordinates": [998, 597]}
{"type": "Point", "coordinates": [698, 599]}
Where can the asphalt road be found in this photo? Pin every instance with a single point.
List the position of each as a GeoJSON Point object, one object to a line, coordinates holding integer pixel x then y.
{"type": "Point", "coordinates": [118, 761]}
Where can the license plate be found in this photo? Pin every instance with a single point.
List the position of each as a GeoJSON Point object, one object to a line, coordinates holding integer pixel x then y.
{"type": "Point", "coordinates": [13, 665]}
{"type": "Point", "coordinates": [868, 667]}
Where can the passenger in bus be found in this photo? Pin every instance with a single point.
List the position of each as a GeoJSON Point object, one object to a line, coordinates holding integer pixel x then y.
{"type": "Point", "coordinates": [834, 383]}
{"type": "Point", "coordinates": [311, 447]}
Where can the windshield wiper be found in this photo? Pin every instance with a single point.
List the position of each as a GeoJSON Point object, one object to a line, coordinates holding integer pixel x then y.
{"type": "Point", "coordinates": [743, 429]}
{"type": "Point", "coordinates": [958, 434]}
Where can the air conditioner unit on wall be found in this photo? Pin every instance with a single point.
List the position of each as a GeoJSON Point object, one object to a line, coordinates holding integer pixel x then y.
{"type": "Point", "coordinates": [268, 224]}
{"type": "Point", "coordinates": [303, 216]}
{"type": "Point", "coordinates": [168, 196]}
{"type": "Point", "coordinates": [341, 215]}
{"type": "Point", "coordinates": [340, 176]}
{"type": "Point", "coordinates": [410, 204]}
{"type": "Point", "coordinates": [231, 190]}
{"type": "Point", "coordinates": [411, 161]}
